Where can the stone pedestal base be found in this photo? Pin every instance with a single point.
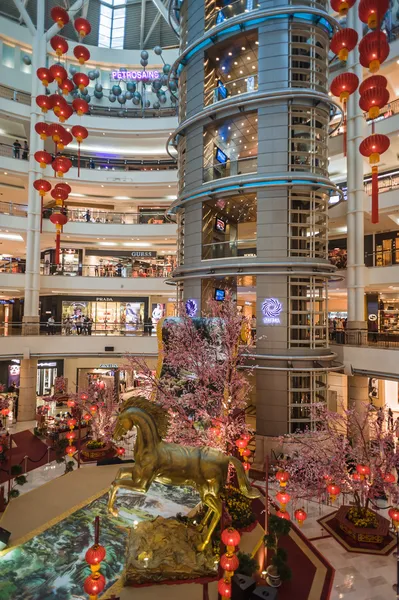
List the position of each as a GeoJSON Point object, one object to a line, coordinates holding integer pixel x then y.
{"type": "Point", "coordinates": [165, 550]}
{"type": "Point", "coordinates": [30, 325]}
{"type": "Point", "coordinates": [356, 333]}
{"type": "Point", "coordinates": [27, 390]}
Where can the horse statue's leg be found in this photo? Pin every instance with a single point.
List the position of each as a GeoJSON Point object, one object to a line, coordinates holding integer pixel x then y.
{"type": "Point", "coordinates": [215, 504]}
{"type": "Point", "coordinates": [205, 520]}
{"type": "Point", "coordinates": [138, 483]}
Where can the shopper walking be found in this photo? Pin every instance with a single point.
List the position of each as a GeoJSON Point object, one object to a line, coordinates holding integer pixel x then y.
{"type": "Point", "coordinates": [89, 325]}
{"type": "Point", "coordinates": [390, 419]}
{"type": "Point", "coordinates": [79, 322]}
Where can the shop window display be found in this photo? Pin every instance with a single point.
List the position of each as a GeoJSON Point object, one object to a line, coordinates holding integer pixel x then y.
{"type": "Point", "coordinates": [106, 315]}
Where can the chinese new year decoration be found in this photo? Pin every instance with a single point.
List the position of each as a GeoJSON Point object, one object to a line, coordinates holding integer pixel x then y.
{"type": "Point", "coordinates": [228, 561]}
{"type": "Point", "coordinates": [95, 583]}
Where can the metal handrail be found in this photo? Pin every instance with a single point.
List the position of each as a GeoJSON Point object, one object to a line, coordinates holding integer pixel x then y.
{"type": "Point", "coordinates": [391, 109]}
{"type": "Point", "coordinates": [88, 161]}
{"type": "Point", "coordinates": [78, 329]}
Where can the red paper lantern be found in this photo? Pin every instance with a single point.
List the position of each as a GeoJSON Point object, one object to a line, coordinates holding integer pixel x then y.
{"type": "Point", "coordinates": [82, 54]}
{"type": "Point", "coordinates": [70, 450]}
{"type": "Point", "coordinates": [241, 443]}
{"type": "Point", "coordinates": [43, 158]}
{"type": "Point", "coordinates": [246, 436]}
{"type": "Point", "coordinates": [82, 26]}
{"type": "Point", "coordinates": [229, 563]}
{"type": "Point", "coordinates": [45, 76]}
{"type": "Point", "coordinates": [58, 72]}
{"type": "Point", "coordinates": [65, 139]}
{"type": "Point", "coordinates": [71, 423]}
{"type": "Point", "coordinates": [372, 12]}
{"type": "Point", "coordinates": [61, 165]}
{"type": "Point", "coordinates": [343, 41]}
{"type": "Point", "coordinates": [81, 80]}
{"type": "Point", "coordinates": [80, 133]}
{"type": "Point", "coordinates": [394, 515]}
{"type": "Point", "coordinates": [246, 452]}
{"type": "Point", "coordinates": [283, 514]}
{"type": "Point", "coordinates": [60, 16]}
{"type": "Point", "coordinates": [224, 588]}
{"type": "Point", "coordinates": [95, 554]}
{"type": "Point", "coordinates": [342, 6]}
{"type": "Point", "coordinates": [363, 470]}
{"type": "Point", "coordinates": [86, 417]}
{"type": "Point", "coordinates": [56, 131]}
{"type": "Point", "coordinates": [80, 106]}
{"type": "Point", "coordinates": [94, 584]}
{"type": "Point", "coordinates": [389, 478]}
{"type": "Point", "coordinates": [44, 103]}
{"type": "Point", "coordinates": [121, 451]}
{"type": "Point", "coordinates": [372, 100]}
{"type": "Point", "coordinates": [246, 466]}
{"type": "Point", "coordinates": [356, 477]}
{"type": "Point", "coordinates": [343, 86]}
{"type": "Point", "coordinates": [64, 113]}
{"type": "Point", "coordinates": [283, 498]}
{"type": "Point", "coordinates": [214, 431]}
{"type": "Point", "coordinates": [67, 86]}
{"type": "Point", "coordinates": [373, 50]}
{"type": "Point", "coordinates": [64, 186]}
{"type": "Point", "coordinates": [70, 435]}
{"type": "Point", "coordinates": [59, 219]}
{"type": "Point", "coordinates": [42, 129]}
{"type": "Point", "coordinates": [375, 81]}
{"type": "Point", "coordinates": [230, 537]}
{"type": "Point", "coordinates": [70, 403]}
{"type": "Point", "coordinates": [93, 408]}
{"type": "Point", "coordinates": [282, 477]}
{"type": "Point", "coordinates": [59, 45]}
{"type": "Point", "coordinates": [372, 147]}
{"type": "Point", "coordinates": [42, 186]}
{"type": "Point", "coordinates": [301, 516]}
{"type": "Point", "coordinates": [57, 102]}
{"type": "Point", "coordinates": [5, 412]}
{"type": "Point", "coordinates": [334, 491]}
{"type": "Point", "coordinates": [84, 396]}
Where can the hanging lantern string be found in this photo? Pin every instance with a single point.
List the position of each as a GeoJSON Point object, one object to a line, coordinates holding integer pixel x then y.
{"type": "Point", "coordinates": [97, 530]}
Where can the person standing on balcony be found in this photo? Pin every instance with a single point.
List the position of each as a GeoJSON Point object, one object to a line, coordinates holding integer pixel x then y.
{"type": "Point", "coordinates": [68, 326]}
{"type": "Point", "coordinates": [87, 216]}
{"type": "Point", "coordinates": [25, 153]}
{"type": "Point", "coordinates": [51, 325]}
{"type": "Point", "coordinates": [16, 149]}
{"type": "Point", "coordinates": [390, 419]}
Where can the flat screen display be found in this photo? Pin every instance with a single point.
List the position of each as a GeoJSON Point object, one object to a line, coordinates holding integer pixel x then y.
{"type": "Point", "coordinates": [220, 224]}
{"type": "Point", "coordinates": [219, 294]}
{"type": "Point", "coordinates": [221, 156]}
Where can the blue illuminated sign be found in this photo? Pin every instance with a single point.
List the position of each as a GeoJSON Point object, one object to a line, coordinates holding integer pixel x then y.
{"type": "Point", "coordinates": [191, 307]}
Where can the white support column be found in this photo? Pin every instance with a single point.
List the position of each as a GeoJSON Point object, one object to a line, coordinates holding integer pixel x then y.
{"type": "Point", "coordinates": [357, 327]}
{"type": "Point", "coordinates": [32, 277]}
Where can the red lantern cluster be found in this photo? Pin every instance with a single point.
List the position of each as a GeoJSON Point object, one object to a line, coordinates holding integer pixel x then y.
{"type": "Point", "coordinates": [58, 103]}
{"type": "Point", "coordinates": [372, 147]}
{"type": "Point", "coordinates": [228, 561]}
{"type": "Point", "coordinates": [394, 515]}
{"type": "Point", "coordinates": [342, 6]}
{"type": "Point", "coordinates": [95, 583]}
{"type": "Point", "coordinates": [283, 498]}
{"type": "Point", "coordinates": [372, 12]}
{"type": "Point", "coordinates": [373, 50]}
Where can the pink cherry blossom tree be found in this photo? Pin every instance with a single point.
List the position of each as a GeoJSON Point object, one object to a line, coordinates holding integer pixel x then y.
{"type": "Point", "coordinates": [99, 408]}
{"type": "Point", "coordinates": [348, 448]}
{"type": "Point", "coordinates": [203, 384]}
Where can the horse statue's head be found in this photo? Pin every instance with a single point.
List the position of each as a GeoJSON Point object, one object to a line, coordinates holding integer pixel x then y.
{"type": "Point", "coordinates": [129, 416]}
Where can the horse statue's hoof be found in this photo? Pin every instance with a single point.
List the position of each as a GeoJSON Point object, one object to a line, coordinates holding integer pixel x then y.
{"type": "Point", "coordinates": [113, 511]}
{"type": "Point", "coordinates": [201, 547]}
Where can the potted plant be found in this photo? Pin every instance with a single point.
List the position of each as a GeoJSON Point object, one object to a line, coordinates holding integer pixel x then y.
{"type": "Point", "coordinates": [248, 565]}
{"type": "Point", "coordinates": [279, 570]}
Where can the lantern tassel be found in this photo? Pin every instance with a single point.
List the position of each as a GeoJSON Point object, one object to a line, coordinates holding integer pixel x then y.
{"type": "Point", "coordinates": [344, 127]}
{"type": "Point", "coordinates": [97, 530]}
{"type": "Point", "coordinates": [41, 214]}
{"type": "Point", "coordinates": [57, 247]}
{"type": "Point", "coordinates": [374, 195]}
{"type": "Point", "coordinates": [79, 159]}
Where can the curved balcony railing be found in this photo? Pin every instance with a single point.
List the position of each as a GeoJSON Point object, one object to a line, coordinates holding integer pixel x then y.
{"type": "Point", "coordinates": [99, 163]}
{"type": "Point", "coordinates": [242, 85]}
{"type": "Point", "coordinates": [234, 249]}
{"type": "Point", "coordinates": [233, 9]}
{"type": "Point", "coordinates": [97, 110]}
{"type": "Point", "coordinates": [75, 329]}
{"type": "Point", "coordinates": [391, 109]}
{"type": "Point", "coordinates": [231, 167]}
{"type": "Point", "coordinates": [92, 215]}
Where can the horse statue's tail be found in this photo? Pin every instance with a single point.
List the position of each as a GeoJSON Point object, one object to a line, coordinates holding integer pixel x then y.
{"type": "Point", "coordinates": [243, 482]}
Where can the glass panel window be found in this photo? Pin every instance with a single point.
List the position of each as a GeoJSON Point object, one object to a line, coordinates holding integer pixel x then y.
{"type": "Point", "coordinates": [8, 57]}
{"type": "Point", "coordinates": [112, 24]}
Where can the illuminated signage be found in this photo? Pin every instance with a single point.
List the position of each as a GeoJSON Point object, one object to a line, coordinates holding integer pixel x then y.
{"type": "Point", "coordinates": [191, 307]}
{"type": "Point", "coordinates": [144, 254]}
{"type": "Point", "coordinates": [149, 75]}
{"type": "Point", "coordinates": [271, 309]}
{"type": "Point", "coordinates": [104, 299]}
{"type": "Point", "coordinates": [108, 366]}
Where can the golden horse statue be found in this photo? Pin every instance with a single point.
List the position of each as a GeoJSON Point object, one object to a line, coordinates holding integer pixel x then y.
{"type": "Point", "coordinates": [203, 468]}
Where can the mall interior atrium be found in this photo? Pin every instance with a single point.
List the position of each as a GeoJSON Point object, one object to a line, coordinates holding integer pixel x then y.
{"type": "Point", "coordinates": [208, 165]}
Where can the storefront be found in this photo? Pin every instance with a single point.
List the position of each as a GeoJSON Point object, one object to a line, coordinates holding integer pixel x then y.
{"type": "Point", "coordinates": [108, 313]}
{"type": "Point", "coordinates": [70, 262]}
{"type": "Point", "coordinates": [386, 249]}
{"type": "Point", "coordinates": [47, 371]}
{"type": "Point", "coordinates": [136, 263]}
